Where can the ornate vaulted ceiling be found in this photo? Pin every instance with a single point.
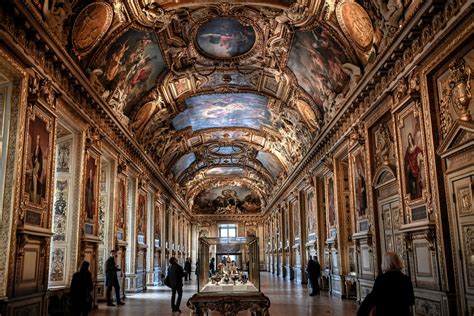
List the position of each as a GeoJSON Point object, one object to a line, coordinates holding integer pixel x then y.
{"type": "Point", "coordinates": [226, 97]}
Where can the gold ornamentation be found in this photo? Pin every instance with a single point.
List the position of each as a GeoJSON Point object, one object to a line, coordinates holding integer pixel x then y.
{"type": "Point", "coordinates": [459, 91]}
{"type": "Point", "coordinates": [383, 145]}
{"type": "Point", "coordinates": [91, 25]}
{"type": "Point", "coordinates": [356, 24]}
{"type": "Point", "coordinates": [56, 12]}
{"type": "Point", "coordinates": [159, 17]}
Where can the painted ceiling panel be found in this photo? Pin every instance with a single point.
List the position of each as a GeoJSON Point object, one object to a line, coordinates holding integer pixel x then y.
{"type": "Point", "coordinates": [183, 163]}
{"type": "Point", "coordinates": [225, 171]}
{"type": "Point", "coordinates": [130, 68]}
{"type": "Point", "coordinates": [225, 38]}
{"type": "Point", "coordinates": [236, 79]}
{"type": "Point", "coordinates": [227, 200]}
{"type": "Point", "coordinates": [270, 162]}
{"type": "Point", "coordinates": [317, 61]}
{"type": "Point", "coordinates": [224, 110]}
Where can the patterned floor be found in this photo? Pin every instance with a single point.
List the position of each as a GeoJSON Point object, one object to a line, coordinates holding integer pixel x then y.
{"type": "Point", "coordinates": [287, 299]}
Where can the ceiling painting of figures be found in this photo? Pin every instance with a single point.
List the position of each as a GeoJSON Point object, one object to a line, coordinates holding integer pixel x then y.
{"type": "Point", "coordinates": [225, 38]}
{"type": "Point", "coordinates": [227, 200]}
{"type": "Point", "coordinates": [270, 162]}
{"type": "Point", "coordinates": [183, 163]}
{"type": "Point", "coordinates": [317, 61]}
{"type": "Point", "coordinates": [223, 110]}
{"type": "Point", "coordinates": [130, 68]}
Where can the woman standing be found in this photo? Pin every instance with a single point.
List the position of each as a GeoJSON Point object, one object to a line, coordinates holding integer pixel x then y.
{"type": "Point", "coordinates": [81, 288]}
{"type": "Point", "coordinates": [392, 294]}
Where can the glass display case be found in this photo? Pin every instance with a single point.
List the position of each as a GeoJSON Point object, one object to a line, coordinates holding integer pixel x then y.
{"type": "Point", "coordinates": [235, 265]}
{"type": "Point", "coordinates": [232, 283]}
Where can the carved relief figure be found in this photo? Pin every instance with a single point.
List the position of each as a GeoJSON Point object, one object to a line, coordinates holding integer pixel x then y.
{"type": "Point", "coordinates": [383, 143]}
{"type": "Point", "coordinates": [56, 12]}
{"type": "Point", "coordinates": [144, 115]}
{"type": "Point", "coordinates": [91, 25]}
{"type": "Point", "coordinates": [119, 10]}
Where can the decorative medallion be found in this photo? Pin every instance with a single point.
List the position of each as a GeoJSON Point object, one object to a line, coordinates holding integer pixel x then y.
{"type": "Point", "coordinates": [307, 114]}
{"type": "Point", "coordinates": [225, 38]}
{"type": "Point", "coordinates": [91, 25]}
{"type": "Point", "coordinates": [356, 24]}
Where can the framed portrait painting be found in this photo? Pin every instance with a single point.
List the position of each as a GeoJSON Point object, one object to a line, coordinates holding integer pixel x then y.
{"type": "Point", "coordinates": [331, 202]}
{"type": "Point", "coordinates": [359, 183]}
{"type": "Point", "coordinates": [412, 153]}
{"type": "Point", "coordinates": [121, 204]}
{"type": "Point", "coordinates": [91, 189]}
{"type": "Point", "coordinates": [141, 214]}
{"type": "Point", "coordinates": [37, 165]}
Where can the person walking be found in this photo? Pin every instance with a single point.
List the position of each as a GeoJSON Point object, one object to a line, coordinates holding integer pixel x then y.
{"type": "Point", "coordinates": [314, 272]}
{"type": "Point", "coordinates": [81, 288]}
{"type": "Point", "coordinates": [392, 294]}
{"type": "Point", "coordinates": [212, 267]}
{"type": "Point", "coordinates": [111, 279]}
{"type": "Point", "coordinates": [175, 275]}
{"type": "Point", "coordinates": [187, 269]}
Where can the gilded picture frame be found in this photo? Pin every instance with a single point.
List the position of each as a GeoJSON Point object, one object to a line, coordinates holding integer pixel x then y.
{"type": "Point", "coordinates": [91, 193]}
{"type": "Point", "coordinates": [141, 213]}
{"type": "Point", "coordinates": [37, 166]}
{"type": "Point", "coordinates": [411, 148]}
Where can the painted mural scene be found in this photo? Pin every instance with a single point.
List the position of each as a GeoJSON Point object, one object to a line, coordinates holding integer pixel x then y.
{"type": "Point", "coordinates": [225, 38]}
{"type": "Point", "coordinates": [272, 157]}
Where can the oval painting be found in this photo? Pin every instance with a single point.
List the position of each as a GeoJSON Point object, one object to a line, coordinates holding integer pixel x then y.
{"type": "Point", "coordinates": [356, 24]}
{"type": "Point", "coordinates": [91, 25]}
{"type": "Point", "coordinates": [225, 38]}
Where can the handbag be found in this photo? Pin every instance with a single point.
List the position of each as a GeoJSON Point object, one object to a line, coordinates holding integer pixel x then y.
{"type": "Point", "coordinates": [167, 281]}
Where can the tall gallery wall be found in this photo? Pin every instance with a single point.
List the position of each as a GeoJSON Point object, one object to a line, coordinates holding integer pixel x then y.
{"type": "Point", "coordinates": [396, 175]}
{"type": "Point", "coordinates": [74, 187]}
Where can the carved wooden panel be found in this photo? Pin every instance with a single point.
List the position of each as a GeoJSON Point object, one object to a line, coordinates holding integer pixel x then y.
{"type": "Point", "coordinates": [31, 265]}
{"type": "Point", "coordinates": [389, 214]}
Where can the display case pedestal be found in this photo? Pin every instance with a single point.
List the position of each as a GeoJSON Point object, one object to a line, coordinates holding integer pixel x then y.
{"type": "Point", "coordinates": [229, 304]}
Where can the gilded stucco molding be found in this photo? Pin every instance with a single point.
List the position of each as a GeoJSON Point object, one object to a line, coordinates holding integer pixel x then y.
{"type": "Point", "coordinates": [460, 34]}
{"type": "Point", "coordinates": [374, 85]}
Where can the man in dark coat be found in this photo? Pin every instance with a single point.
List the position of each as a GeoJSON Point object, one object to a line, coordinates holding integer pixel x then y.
{"type": "Point", "coordinates": [314, 272]}
{"type": "Point", "coordinates": [111, 279]}
{"type": "Point", "coordinates": [175, 275]}
{"type": "Point", "coordinates": [81, 288]}
{"type": "Point", "coordinates": [187, 269]}
{"type": "Point", "coordinates": [212, 268]}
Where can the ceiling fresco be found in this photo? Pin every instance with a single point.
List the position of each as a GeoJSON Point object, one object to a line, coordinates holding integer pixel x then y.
{"type": "Point", "coordinates": [225, 38]}
{"type": "Point", "coordinates": [183, 162]}
{"type": "Point", "coordinates": [223, 110]}
{"type": "Point", "coordinates": [130, 68]}
{"type": "Point", "coordinates": [225, 171]}
{"type": "Point", "coordinates": [317, 61]}
{"type": "Point", "coordinates": [227, 200]}
{"type": "Point", "coordinates": [229, 94]}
